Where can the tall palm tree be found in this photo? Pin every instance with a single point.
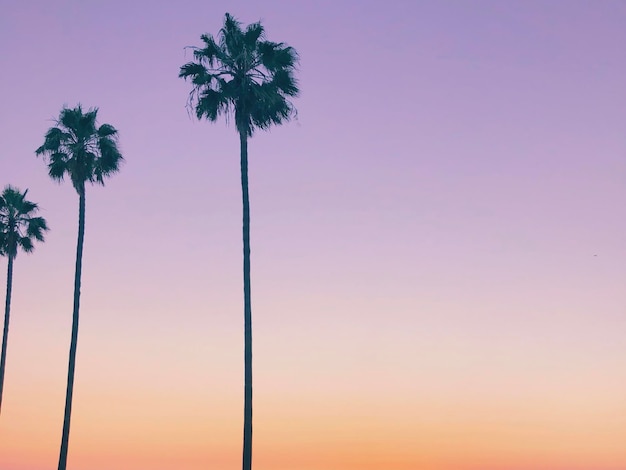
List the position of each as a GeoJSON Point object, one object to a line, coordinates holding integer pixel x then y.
{"type": "Point", "coordinates": [18, 229]}
{"type": "Point", "coordinates": [77, 148]}
{"type": "Point", "coordinates": [241, 74]}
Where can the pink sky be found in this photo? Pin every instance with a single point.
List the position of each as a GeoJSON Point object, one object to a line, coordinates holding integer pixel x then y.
{"type": "Point", "coordinates": [438, 242]}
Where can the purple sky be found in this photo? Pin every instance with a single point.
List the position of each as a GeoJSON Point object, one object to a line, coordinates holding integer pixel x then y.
{"type": "Point", "coordinates": [439, 236]}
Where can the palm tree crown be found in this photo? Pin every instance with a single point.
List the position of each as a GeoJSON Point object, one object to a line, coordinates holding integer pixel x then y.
{"type": "Point", "coordinates": [18, 225]}
{"type": "Point", "coordinates": [244, 75]}
{"type": "Point", "coordinates": [80, 149]}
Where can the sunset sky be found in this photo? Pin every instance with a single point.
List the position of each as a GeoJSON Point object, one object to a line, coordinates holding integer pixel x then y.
{"type": "Point", "coordinates": [438, 240]}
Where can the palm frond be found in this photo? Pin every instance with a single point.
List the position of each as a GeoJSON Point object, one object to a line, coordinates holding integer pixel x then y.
{"type": "Point", "coordinates": [53, 140]}
{"type": "Point", "coordinates": [26, 244]}
{"type": "Point", "coordinates": [57, 165]}
{"type": "Point", "coordinates": [210, 53]}
{"type": "Point", "coordinates": [107, 130]}
{"type": "Point", "coordinates": [27, 207]}
{"type": "Point", "coordinates": [211, 104]}
{"type": "Point", "coordinates": [71, 118]}
{"type": "Point", "coordinates": [277, 56]}
{"type": "Point", "coordinates": [283, 82]}
{"type": "Point", "coordinates": [231, 37]}
{"type": "Point", "coordinates": [192, 69]}
{"type": "Point", "coordinates": [35, 228]}
{"type": "Point", "coordinates": [109, 161]}
{"type": "Point", "coordinates": [253, 33]}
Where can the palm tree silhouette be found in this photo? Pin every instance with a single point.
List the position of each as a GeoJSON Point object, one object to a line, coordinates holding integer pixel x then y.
{"type": "Point", "coordinates": [18, 229]}
{"type": "Point", "coordinates": [85, 153]}
{"type": "Point", "coordinates": [244, 75]}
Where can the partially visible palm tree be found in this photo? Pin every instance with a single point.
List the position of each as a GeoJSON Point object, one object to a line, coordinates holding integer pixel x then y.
{"type": "Point", "coordinates": [243, 75]}
{"type": "Point", "coordinates": [18, 229]}
{"type": "Point", "coordinates": [77, 148]}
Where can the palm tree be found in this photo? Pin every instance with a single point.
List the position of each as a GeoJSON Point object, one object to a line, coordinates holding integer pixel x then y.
{"type": "Point", "coordinates": [18, 229]}
{"type": "Point", "coordinates": [244, 75]}
{"type": "Point", "coordinates": [77, 148]}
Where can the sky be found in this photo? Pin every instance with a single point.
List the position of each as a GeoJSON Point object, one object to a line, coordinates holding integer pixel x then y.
{"type": "Point", "coordinates": [438, 257]}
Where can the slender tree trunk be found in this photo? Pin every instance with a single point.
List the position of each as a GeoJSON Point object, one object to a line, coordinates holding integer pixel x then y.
{"type": "Point", "coordinates": [5, 331]}
{"type": "Point", "coordinates": [247, 405]}
{"type": "Point", "coordinates": [72, 361]}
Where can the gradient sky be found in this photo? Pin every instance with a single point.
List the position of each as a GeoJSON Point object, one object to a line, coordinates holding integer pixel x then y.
{"type": "Point", "coordinates": [438, 241]}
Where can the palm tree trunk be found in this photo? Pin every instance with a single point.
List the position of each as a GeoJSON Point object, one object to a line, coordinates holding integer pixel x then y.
{"type": "Point", "coordinates": [5, 331]}
{"type": "Point", "coordinates": [247, 405]}
{"type": "Point", "coordinates": [72, 361]}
